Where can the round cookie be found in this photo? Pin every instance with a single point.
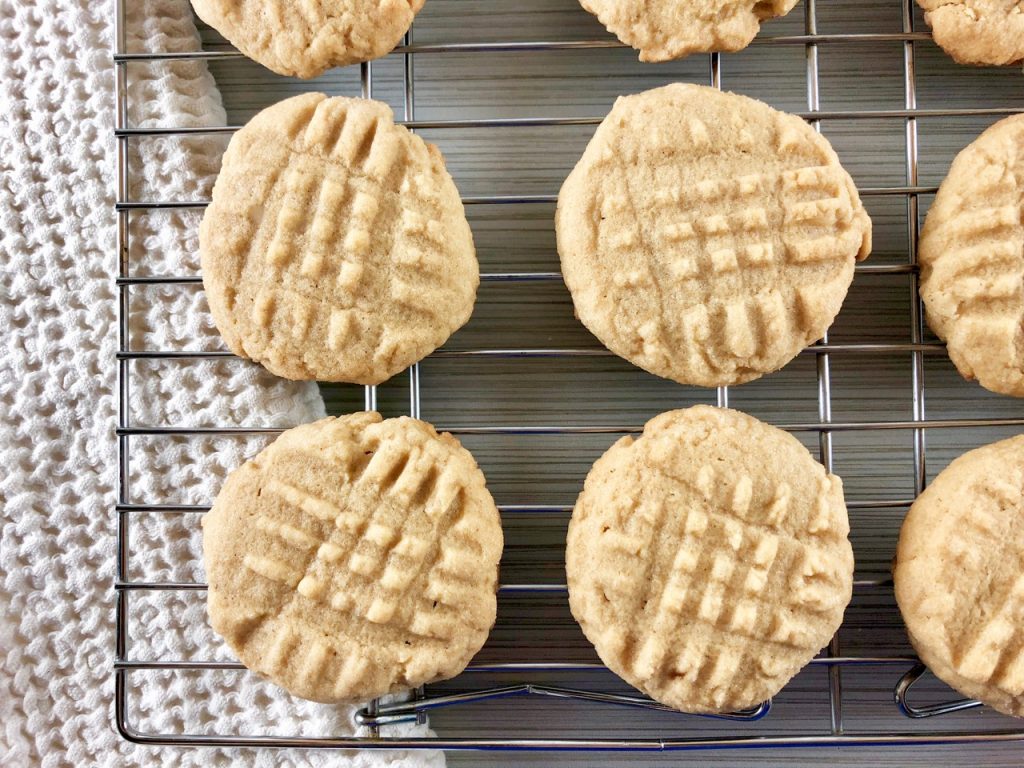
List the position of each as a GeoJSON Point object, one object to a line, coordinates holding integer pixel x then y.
{"type": "Point", "coordinates": [336, 246]}
{"type": "Point", "coordinates": [707, 237]}
{"type": "Point", "coordinates": [670, 29]}
{"type": "Point", "coordinates": [354, 557]}
{"type": "Point", "coordinates": [304, 39]}
{"type": "Point", "coordinates": [959, 575]}
{"type": "Point", "coordinates": [708, 560]}
{"type": "Point", "coordinates": [981, 32]}
{"type": "Point", "coordinates": [971, 254]}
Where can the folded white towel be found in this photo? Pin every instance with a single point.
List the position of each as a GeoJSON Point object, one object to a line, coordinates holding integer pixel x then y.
{"type": "Point", "coordinates": [57, 382]}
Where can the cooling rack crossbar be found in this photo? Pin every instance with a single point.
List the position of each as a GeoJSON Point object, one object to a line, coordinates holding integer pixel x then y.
{"type": "Point", "coordinates": [531, 46]}
{"type": "Point", "coordinates": [521, 678]}
{"type": "Point", "coordinates": [824, 426]}
{"type": "Point", "coordinates": [503, 589]}
{"type": "Point", "coordinates": [551, 122]}
{"type": "Point", "coordinates": [815, 349]}
{"type": "Point", "coordinates": [504, 509]}
{"type": "Point", "coordinates": [498, 277]}
{"type": "Point", "coordinates": [163, 205]}
{"type": "Point", "coordinates": [513, 667]}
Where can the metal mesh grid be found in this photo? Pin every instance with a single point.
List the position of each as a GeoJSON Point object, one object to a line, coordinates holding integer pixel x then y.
{"type": "Point", "coordinates": [377, 717]}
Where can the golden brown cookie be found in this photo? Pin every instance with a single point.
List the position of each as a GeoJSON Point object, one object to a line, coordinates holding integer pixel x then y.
{"type": "Point", "coordinates": [670, 29]}
{"type": "Point", "coordinates": [707, 237]}
{"type": "Point", "coordinates": [336, 246]}
{"type": "Point", "coordinates": [972, 259]}
{"type": "Point", "coordinates": [977, 31]}
{"type": "Point", "coordinates": [303, 38]}
{"type": "Point", "coordinates": [959, 575]}
{"type": "Point", "coordinates": [708, 559]}
{"type": "Point", "coordinates": [354, 557]}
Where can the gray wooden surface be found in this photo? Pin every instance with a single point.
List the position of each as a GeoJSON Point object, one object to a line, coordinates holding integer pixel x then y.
{"type": "Point", "coordinates": [603, 390]}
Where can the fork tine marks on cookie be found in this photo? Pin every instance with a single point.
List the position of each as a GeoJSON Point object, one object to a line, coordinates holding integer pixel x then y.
{"type": "Point", "coordinates": [733, 574]}
{"type": "Point", "coordinates": [316, 277]}
{"type": "Point", "coordinates": [716, 236]}
{"type": "Point", "coordinates": [390, 578]}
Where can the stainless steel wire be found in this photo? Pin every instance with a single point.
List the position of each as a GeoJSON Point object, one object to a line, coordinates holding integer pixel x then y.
{"type": "Point", "coordinates": [377, 716]}
{"type": "Point", "coordinates": [823, 370]}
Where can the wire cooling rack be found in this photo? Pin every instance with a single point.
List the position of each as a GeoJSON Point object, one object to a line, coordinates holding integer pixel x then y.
{"type": "Point", "coordinates": [541, 693]}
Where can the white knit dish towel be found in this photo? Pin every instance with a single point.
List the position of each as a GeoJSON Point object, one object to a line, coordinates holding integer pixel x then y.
{"type": "Point", "coordinates": [57, 382]}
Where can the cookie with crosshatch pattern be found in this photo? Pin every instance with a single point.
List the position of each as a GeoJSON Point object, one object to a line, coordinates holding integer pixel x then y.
{"type": "Point", "coordinates": [336, 246]}
{"type": "Point", "coordinates": [980, 32]}
{"type": "Point", "coordinates": [304, 39]}
{"type": "Point", "coordinates": [708, 559]}
{"type": "Point", "coordinates": [972, 259]}
{"type": "Point", "coordinates": [354, 557]}
{"type": "Point", "coordinates": [670, 29]}
{"type": "Point", "coordinates": [707, 237]}
{"type": "Point", "coordinates": [959, 575]}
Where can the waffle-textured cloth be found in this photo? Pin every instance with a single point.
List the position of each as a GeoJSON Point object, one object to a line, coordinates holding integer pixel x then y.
{"type": "Point", "coordinates": [57, 383]}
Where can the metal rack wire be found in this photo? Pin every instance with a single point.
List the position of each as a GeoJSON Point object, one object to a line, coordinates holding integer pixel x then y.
{"type": "Point", "coordinates": [377, 716]}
